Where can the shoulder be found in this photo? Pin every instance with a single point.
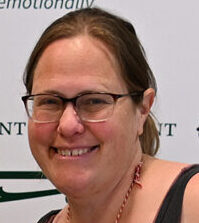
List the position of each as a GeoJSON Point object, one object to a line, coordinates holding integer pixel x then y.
{"type": "Point", "coordinates": [48, 218]}
{"type": "Point", "coordinates": [157, 177]}
{"type": "Point", "coordinates": [159, 171]}
{"type": "Point", "coordinates": [62, 215]}
{"type": "Point", "coordinates": [158, 168]}
{"type": "Point", "coordinates": [168, 172]}
{"type": "Point", "coordinates": [191, 201]}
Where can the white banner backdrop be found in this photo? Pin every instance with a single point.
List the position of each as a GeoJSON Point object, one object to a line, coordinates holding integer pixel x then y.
{"type": "Point", "coordinates": [169, 33]}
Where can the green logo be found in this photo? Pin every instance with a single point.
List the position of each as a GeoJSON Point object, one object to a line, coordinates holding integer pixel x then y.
{"type": "Point", "coordinates": [13, 196]}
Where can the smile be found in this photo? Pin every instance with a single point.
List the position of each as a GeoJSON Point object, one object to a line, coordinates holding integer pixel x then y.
{"type": "Point", "coordinates": [75, 152]}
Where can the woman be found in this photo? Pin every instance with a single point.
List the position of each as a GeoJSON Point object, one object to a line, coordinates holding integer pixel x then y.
{"type": "Point", "coordinates": [89, 94]}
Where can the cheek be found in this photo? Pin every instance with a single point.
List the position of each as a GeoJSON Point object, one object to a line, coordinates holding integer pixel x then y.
{"type": "Point", "coordinates": [123, 125]}
{"type": "Point", "coordinates": [103, 131]}
{"type": "Point", "coordinates": [39, 134]}
{"type": "Point", "coordinates": [128, 123]}
{"type": "Point", "coordinates": [114, 133]}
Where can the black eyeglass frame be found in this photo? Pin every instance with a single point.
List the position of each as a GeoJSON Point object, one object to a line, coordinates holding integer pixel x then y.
{"type": "Point", "coordinates": [74, 99]}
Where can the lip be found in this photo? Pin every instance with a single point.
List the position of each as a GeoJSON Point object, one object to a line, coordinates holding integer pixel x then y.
{"type": "Point", "coordinates": [74, 152]}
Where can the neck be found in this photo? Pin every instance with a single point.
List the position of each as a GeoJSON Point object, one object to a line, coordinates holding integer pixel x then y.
{"type": "Point", "coordinates": [94, 209]}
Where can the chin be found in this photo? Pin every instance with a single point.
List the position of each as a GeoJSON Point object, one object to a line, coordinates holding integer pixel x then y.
{"type": "Point", "coordinates": [75, 185]}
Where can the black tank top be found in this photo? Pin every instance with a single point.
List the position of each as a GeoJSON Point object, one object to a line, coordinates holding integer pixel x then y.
{"type": "Point", "coordinates": [171, 208]}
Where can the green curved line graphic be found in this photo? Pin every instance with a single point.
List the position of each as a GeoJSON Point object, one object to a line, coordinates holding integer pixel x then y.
{"type": "Point", "coordinates": [21, 175]}
{"type": "Point", "coordinates": [26, 175]}
{"type": "Point", "coordinates": [9, 196]}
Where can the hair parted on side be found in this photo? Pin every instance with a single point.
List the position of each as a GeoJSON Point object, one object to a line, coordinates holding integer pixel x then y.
{"type": "Point", "coordinates": [120, 37]}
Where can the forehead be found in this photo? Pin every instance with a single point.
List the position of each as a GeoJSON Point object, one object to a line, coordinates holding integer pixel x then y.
{"type": "Point", "coordinates": [77, 59]}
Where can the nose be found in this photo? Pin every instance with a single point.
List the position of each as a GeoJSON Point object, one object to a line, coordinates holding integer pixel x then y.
{"type": "Point", "coordinates": [70, 123]}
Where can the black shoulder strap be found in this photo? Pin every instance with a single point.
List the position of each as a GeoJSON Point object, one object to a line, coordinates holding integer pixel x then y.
{"type": "Point", "coordinates": [171, 208]}
{"type": "Point", "coordinates": [47, 217]}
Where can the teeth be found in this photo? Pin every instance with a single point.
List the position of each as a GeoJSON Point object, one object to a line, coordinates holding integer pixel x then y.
{"type": "Point", "coordinates": [74, 152]}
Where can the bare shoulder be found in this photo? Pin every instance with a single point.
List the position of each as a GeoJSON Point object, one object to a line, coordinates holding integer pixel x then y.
{"type": "Point", "coordinates": [167, 171]}
{"type": "Point", "coordinates": [191, 201]}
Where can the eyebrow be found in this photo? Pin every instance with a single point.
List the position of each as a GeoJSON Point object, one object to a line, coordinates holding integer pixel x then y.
{"type": "Point", "coordinates": [58, 93]}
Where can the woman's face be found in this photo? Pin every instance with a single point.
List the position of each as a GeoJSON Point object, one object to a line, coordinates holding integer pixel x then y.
{"type": "Point", "coordinates": [69, 67]}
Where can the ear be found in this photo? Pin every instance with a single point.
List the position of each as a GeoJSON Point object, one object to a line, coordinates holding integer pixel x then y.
{"type": "Point", "coordinates": [145, 107]}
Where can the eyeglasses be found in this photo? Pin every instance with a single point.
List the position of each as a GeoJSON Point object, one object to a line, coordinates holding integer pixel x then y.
{"type": "Point", "coordinates": [90, 107]}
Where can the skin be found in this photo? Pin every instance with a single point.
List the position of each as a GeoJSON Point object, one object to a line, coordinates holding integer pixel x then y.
{"type": "Point", "coordinates": [98, 180]}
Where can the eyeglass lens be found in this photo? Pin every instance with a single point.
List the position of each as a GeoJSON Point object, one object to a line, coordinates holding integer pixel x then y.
{"type": "Point", "coordinates": [89, 107]}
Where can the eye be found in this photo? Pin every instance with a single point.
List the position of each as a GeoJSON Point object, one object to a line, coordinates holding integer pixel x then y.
{"type": "Point", "coordinates": [95, 101]}
{"type": "Point", "coordinates": [47, 101]}
{"type": "Point", "coordinates": [92, 103]}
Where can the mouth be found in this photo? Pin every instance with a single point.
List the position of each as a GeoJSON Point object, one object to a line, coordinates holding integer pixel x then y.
{"type": "Point", "coordinates": [75, 152]}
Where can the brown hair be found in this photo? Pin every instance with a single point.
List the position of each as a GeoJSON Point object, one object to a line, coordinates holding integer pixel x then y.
{"type": "Point", "coordinates": [120, 37]}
